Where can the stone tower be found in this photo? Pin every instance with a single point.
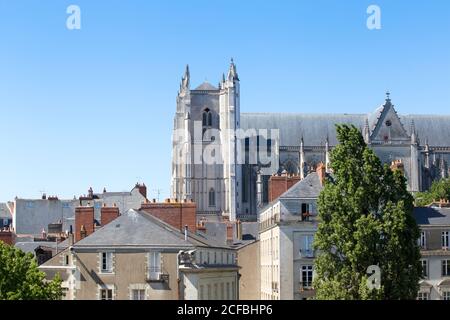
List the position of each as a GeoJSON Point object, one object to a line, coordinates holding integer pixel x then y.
{"type": "Point", "coordinates": [204, 164]}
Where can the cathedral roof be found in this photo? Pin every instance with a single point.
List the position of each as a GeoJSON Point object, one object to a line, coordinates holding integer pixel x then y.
{"type": "Point", "coordinates": [206, 86]}
{"type": "Point", "coordinates": [315, 128]}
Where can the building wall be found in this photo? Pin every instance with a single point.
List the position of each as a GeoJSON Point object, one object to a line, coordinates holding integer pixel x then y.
{"type": "Point", "coordinates": [270, 255]}
{"type": "Point", "coordinates": [130, 271]}
{"type": "Point", "coordinates": [215, 285]}
{"type": "Point", "coordinates": [434, 254]}
{"type": "Point", "coordinates": [250, 281]}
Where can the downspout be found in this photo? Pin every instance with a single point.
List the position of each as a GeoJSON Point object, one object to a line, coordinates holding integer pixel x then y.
{"type": "Point", "coordinates": [178, 276]}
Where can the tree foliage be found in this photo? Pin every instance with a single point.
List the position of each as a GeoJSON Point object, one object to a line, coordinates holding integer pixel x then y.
{"type": "Point", "coordinates": [20, 278]}
{"type": "Point", "coordinates": [439, 190]}
{"type": "Point", "coordinates": [366, 219]}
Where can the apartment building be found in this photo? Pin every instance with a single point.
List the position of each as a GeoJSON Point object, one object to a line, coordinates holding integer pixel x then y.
{"type": "Point", "coordinates": [287, 228]}
{"type": "Point", "coordinates": [434, 222]}
{"type": "Point", "coordinates": [139, 257]}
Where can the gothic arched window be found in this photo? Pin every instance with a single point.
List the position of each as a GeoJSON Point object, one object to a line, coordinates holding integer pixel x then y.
{"type": "Point", "coordinates": [207, 118]}
{"type": "Point", "coordinates": [212, 198]}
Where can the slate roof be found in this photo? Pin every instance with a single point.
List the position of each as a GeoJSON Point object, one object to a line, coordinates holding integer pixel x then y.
{"type": "Point", "coordinates": [138, 229]}
{"type": "Point", "coordinates": [432, 215]}
{"type": "Point", "coordinates": [4, 211]}
{"type": "Point", "coordinates": [310, 187]}
{"type": "Point", "coordinates": [206, 86]}
{"type": "Point", "coordinates": [314, 128]}
{"type": "Point", "coordinates": [30, 246]}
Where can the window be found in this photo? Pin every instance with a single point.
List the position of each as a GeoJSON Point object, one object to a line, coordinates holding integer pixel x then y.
{"type": "Point", "coordinates": [106, 294]}
{"type": "Point", "coordinates": [66, 260]}
{"type": "Point", "coordinates": [201, 258]}
{"type": "Point", "coordinates": [269, 147]}
{"type": "Point", "coordinates": [207, 118]}
{"type": "Point", "coordinates": [423, 296]}
{"type": "Point", "coordinates": [306, 211]}
{"type": "Point", "coordinates": [154, 265]}
{"type": "Point", "coordinates": [445, 268]}
{"type": "Point", "coordinates": [106, 263]}
{"type": "Point", "coordinates": [216, 292]}
{"type": "Point", "coordinates": [446, 295]}
{"type": "Point", "coordinates": [306, 246]}
{"type": "Point", "coordinates": [138, 294]}
{"type": "Point", "coordinates": [306, 276]}
{"type": "Point", "coordinates": [445, 239]}
{"type": "Point", "coordinates": [222, 293]}
{"type": "Point", "coordinates": [423, 240]}
{"type": "Point", "coordinates": [424, 268]}
{"type": "Point", "coordinates": [212, 198]}
{"type": "Point", "coordinates": [228, 291]}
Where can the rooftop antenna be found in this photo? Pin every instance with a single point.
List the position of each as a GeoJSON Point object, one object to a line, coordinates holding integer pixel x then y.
{"type": "Point", "coordinates": [158, 192]}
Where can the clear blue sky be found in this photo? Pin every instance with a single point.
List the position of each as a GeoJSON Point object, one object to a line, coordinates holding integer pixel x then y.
{"type": "Point", "coordinates": [94, 107]}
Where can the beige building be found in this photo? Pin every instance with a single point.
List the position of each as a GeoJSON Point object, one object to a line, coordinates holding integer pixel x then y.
{"type": "Point", "coordinates": [287, 228]}
{"type": "Point", "coordinates": [434, 222]}
{"type": "Point", "coordinates": [139, 257]}
{"type": "Point", "coordinates": [250, 277]}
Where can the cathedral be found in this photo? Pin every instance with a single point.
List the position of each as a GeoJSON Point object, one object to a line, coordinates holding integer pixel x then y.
{"type": "Point", "coordinates": [215, 164]}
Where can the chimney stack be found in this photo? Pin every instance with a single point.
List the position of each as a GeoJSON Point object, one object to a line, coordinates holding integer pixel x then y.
{"type": "Point", "coordinates": [239, 229]}
{"type": "Point", "coordinates": [321, 172]}
{"type": "Point", "coordinates": [84, 217]}
{"type": "Point", "coordinates": [142, 189]}
{"type": "Point", "coordinates": [108, 214]}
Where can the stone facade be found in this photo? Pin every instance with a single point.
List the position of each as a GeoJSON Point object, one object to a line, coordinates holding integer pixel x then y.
{"type": "Point", "coordinates": [420, 142]}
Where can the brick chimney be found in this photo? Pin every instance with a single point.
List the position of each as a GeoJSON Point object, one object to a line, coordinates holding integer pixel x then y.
{"type": "Point", "coordinates": [142, 189]}
{"type": "Point", "coordinates": [84, 217]}
{"type": "Point", "coordinates": [177, 214]}
{"type": "Point", "coordinates": [280, 184]}
{"type": "Point", "coordinates": [321, 172]}
{"type": "Point", "coordinates": [7, 236]}
{"type": "Point", "coordinates": [108, 214]}
{"type": "Point", "coordinates": [229, 226]}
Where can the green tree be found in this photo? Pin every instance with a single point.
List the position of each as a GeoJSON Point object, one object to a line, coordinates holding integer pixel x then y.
{"type": "Point", "coordinates": [366, 219]}
{"type": "Point", "coordinates": [439, 190]}
{"type": "Point", "coordinates": [20, 278]}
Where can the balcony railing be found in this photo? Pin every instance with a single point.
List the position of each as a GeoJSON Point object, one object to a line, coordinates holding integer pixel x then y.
{"type": "Point", "coordinates": [306, 253]}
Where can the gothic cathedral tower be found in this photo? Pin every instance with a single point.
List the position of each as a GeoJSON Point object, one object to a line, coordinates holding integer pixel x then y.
{"type": "Point", "coordinates": [204, 155]}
